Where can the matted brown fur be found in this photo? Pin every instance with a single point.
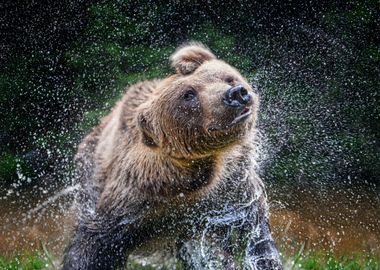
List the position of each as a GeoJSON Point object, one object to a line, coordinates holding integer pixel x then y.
{"type": "Point", "coordinates": [171, 148]}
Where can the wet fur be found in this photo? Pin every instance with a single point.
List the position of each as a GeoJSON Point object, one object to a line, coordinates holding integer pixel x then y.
{"type": "Point", "coordinates": [146, 175]}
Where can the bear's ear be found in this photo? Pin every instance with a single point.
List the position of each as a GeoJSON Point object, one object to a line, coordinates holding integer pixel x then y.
{"type": "Point", "coordinates": [146, 127]}
{"type": "Point", "coordinates": [188, 58]}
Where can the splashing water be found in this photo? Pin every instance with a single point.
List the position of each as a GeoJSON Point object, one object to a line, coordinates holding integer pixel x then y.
{"type": "Point", "coordinates": [66, 191]}
{"type": "Point", "coordinates": [317, 68]}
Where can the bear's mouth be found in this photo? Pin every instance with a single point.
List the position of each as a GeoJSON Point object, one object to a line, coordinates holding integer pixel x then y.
{"type": "Point", "coordinates": [239, 118]}
{"type": "Point", "coordinates": [244, 114]}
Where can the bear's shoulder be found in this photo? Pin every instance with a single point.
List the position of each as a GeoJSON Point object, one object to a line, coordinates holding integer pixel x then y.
{"type": "Point", "coordinates": [97, 146]}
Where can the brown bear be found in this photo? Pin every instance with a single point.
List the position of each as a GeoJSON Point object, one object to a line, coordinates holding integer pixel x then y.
{"type": "Point", "coordinates": [174, 163]}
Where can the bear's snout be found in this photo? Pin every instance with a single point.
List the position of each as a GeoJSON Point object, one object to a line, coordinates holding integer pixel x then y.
{"type": "Point", "coordinates": [237, 96]}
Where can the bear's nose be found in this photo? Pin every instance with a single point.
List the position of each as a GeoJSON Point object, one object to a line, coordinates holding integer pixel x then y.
{"type": "Point", "coordinates": [236, 96]}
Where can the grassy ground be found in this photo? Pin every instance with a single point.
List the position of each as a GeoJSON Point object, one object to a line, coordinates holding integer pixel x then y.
{"type": "Point", "coordinates": [317, 261]}
{"type": "Point", "coordinates": [322, 261]}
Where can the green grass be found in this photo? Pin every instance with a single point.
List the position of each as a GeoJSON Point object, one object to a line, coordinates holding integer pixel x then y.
{"type": "Point", "coordinates": [321, 261]}
{"type": "Point", "coordinates": [24, 261]}
{"type": "Point", "coordinates": [315, 261]}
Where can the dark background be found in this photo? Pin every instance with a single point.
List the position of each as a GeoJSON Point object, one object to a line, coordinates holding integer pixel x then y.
{"type": "Point", "coordinates": [316, 63]}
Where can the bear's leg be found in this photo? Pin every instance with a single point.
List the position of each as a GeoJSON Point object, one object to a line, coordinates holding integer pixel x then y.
{"type": "Point", "coordinates": [100, 244]}
{"type": "Point", "coordinates": [261, 249]}
{"type": "Point", "coordinates": [189, 254]}
{"type": "Point", "coordinates": [228, 251]}
{"type": "Point", "coordinates": [185, 254]}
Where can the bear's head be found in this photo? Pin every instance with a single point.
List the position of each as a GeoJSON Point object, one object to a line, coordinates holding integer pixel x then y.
{"type": "Point", "coordinates": [204, 108]}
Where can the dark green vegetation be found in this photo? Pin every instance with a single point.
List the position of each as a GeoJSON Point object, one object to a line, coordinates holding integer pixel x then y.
{"type": "Point", "coordinates": [26, 263]}
{"type": "Point", "coordinates": [323, 262]}
{"type": "Point", "coordinates": [31, 261]}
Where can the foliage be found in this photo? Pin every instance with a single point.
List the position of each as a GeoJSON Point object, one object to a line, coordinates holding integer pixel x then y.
{"type": "Point", "coordinates": [25, 262]}
{"type": "Point", "coordinates": [329, 262]}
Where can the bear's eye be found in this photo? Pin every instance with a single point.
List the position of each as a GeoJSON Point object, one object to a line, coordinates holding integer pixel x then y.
{"type": "Point", "coordinates": [229, 80]}
{"type": "Point", "coordinates": [190, 94]}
